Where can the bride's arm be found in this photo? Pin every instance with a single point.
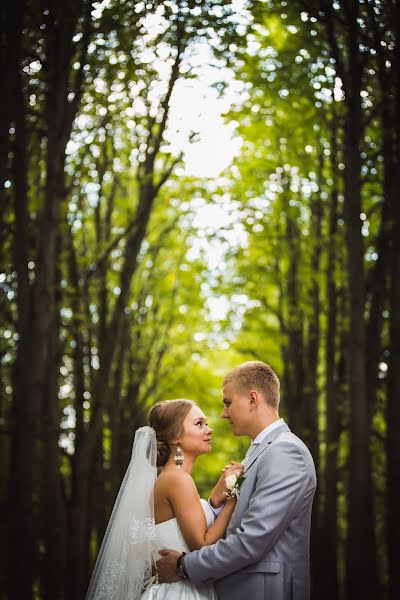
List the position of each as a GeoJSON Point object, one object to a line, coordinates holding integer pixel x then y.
{"type": "Point", "coordinates": [184, 499]}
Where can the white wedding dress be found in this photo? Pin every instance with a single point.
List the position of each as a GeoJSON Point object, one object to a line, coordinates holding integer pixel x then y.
{"type": "Point", "coordinates": [123, 569]}
{"type": "Point", "coordinates": [168, 535]}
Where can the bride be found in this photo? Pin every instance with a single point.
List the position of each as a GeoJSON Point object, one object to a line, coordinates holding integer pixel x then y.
{"type": "Point", "coordinates": [152, 513]}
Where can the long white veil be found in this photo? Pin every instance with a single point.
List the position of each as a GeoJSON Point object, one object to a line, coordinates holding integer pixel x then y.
{"type": "Point", "coordinates": [124, 565]}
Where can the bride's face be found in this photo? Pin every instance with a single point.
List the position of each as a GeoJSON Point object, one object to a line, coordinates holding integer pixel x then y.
{"type": "Point", "coordinates": [196, 435]}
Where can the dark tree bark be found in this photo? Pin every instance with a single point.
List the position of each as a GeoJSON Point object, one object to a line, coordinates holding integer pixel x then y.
{"type": "Point", "coordinates": [99, 508]}
{"type": "Point", "coordinates": [377, 277]}
{"type": "Point", "coordinates": [117, 414]}
{"type": "Point", "coordinates": [310, 431]}
{"type": "Point", "coordinates": [361, 564]}
{"type": "Point", "coordinates": [75, 537]}
{"type": "Point", "coordinates": [393, 415]}
{"type": "Point", "coordinates": [21, 476]}
{"type": "Point", "coordinates": [313, 326]}
{"type": "Point", "coordinates": [78, 312]}
{"type": "Point", "coordinates": [295, 376]}
{"type": "Point", "coordinates": [326, 576]}
{"type": "Point", "coordinates": [59, 116]}
{"type": "Point", "coordinates": [53, 497]}
{"type": "Point", "coordinates": [12, 12]}
{"type": "Point", "coordinates": [393, 395]}
{"type": "Point", "coordinates": [361, 550]}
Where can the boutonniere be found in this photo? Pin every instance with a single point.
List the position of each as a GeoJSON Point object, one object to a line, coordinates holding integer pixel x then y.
{"type": "Point", "coordinates": [233, 483]}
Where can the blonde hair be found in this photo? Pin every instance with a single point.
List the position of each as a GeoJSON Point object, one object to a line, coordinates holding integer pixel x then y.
{"type": "Point", "coordinates": [166, 418]}
{"type": "Point", "coordinates": [257, 375]}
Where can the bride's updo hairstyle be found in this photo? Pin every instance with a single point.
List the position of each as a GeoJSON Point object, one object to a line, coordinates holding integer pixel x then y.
{"type": "Point", "coordinates": [166, 418]}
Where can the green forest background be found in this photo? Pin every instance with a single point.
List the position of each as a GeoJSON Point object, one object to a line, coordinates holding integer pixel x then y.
{"type": "Point", "coordinates": [107, 283]}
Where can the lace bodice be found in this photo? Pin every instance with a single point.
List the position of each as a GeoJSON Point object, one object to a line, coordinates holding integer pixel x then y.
{"type": "Point", "coordinates": [168, 534]}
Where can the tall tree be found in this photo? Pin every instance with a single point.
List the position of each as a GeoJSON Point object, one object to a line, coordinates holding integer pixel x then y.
{"type": "Point", "coordinates": [393, 404]}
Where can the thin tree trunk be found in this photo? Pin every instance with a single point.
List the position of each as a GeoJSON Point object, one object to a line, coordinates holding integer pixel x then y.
{"type": "Point", "coordinates": [23, 442]}
{"type": "Point", "coordinates": [313, 333]}
{"type": "Point", "coordinates": [326, 575]}
{"type": "Point", "coordinates": [53, 507]}
{"type": "Point", "coordinates": [78, 505]}
{"type": "Point", "coordinates": [343, 417]}
{"type": "Point", "coordinates": [116, 414]}
{"type": "Point", "coordinates": [311, 433]}
{"type": "Point", "coordinates": [78, 529]}
{"type": "Point", "coordinates": [295, 347]}
{"type": "Point", "coordinates": [99, 510]}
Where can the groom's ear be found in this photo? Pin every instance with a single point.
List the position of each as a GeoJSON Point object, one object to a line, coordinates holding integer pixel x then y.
{"type": "Point", "coordinates": [253, 397]}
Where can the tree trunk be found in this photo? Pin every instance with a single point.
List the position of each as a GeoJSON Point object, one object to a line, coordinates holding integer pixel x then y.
{"type": "Point", "coordinates": [53, 506]}
{"type": "Point", "coordinates": [393, 393]}
{"type": "Point", "coordinates": [23, 440]}
{"type": "Point", "coordinates": [377, 279]}
{"type": "Point", "coordinates": [78, 529]}
{"type": "Point", "coordinates": [311, 435]}
{"type": "Point", "coordinates": [117, 415]}
{"type": "Point", "coordinates": [393, 416]}
{"type": "Point", "coordinates": [10, 61]}
{"type": "Point", "coordinates": [99, 510]}
{"type": "Point", "coordinates": [326, 585]}
{"type": "Point", "coordinates": [295, 399]}
{"type": "Point", "coordinates": [59, 118]}
{"type": "Point", "coordinates": [313, 330]}
{"type": "Point", "coordinates": [361, 576]}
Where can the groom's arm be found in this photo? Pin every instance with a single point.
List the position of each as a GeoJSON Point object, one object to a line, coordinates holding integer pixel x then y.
{"type": "Point", "coordinates": [282, 483]}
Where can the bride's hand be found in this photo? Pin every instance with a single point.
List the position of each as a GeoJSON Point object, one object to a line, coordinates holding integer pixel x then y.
{"type": "Point", "coordinates": [233, 467]}
{"type": "Point", "coordinates": [218, 495]}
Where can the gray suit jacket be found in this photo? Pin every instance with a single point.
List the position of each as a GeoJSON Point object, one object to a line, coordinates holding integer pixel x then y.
{"type": "Point", "coordinates": [265, 554]}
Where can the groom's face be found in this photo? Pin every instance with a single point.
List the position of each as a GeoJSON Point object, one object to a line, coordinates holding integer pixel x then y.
{"type": "Point", "coordinates": [236, 408]}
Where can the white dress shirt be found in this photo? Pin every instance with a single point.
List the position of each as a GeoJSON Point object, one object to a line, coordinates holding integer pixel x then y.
{"type": "Point", "coordinates": [267, 430]}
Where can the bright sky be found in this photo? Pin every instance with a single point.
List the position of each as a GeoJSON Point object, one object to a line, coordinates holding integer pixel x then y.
{"type": "Point", "coordinates": [195, 106]}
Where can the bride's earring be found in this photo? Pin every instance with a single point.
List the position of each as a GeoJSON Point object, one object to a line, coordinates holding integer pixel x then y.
{"type": "Point", "coordinates": [178, 456]}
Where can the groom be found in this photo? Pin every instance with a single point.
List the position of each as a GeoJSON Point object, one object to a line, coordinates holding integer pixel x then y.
{"type": "Point", "coordinates": [265, 554]}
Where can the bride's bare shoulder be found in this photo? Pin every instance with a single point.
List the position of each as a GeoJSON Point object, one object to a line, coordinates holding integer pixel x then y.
{"type": "Point", "coordinates": [174, 479]}
{"type": "Point", "coordinates": [173, 475]}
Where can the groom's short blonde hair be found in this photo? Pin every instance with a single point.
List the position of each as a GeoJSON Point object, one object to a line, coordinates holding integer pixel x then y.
{"type": "Point", "coordinates": [259, 376]}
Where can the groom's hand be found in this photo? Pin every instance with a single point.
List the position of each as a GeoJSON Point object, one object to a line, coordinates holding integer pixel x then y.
{"type": "Point", "coordinates": [166, 567]}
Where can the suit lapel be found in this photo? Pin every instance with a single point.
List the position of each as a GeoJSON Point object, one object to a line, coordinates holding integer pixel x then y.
{"type": "Point", "coordinates": [265, 444]}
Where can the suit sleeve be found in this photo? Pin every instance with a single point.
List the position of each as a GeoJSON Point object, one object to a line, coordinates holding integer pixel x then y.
{"type": "Point", "coordinates": [281, 485]}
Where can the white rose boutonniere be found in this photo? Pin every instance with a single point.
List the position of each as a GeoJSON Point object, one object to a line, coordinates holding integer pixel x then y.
{"type": "Point", "coordinates": [233, 483]}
